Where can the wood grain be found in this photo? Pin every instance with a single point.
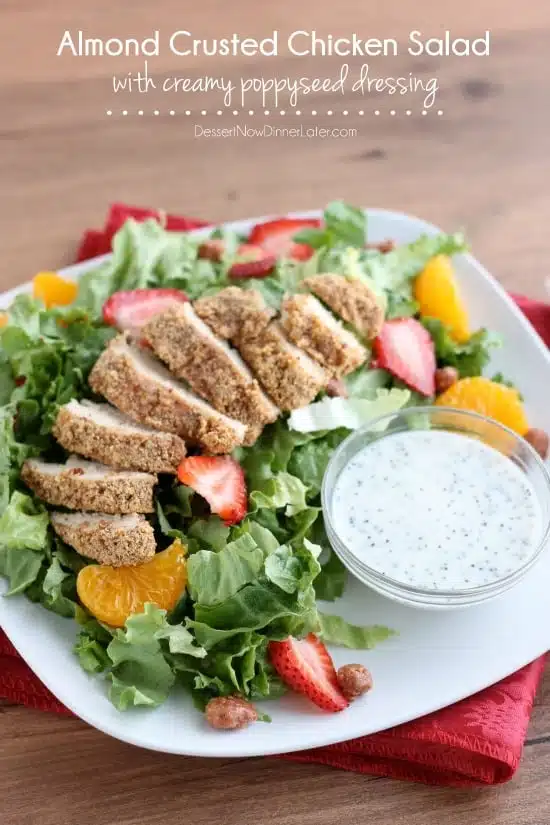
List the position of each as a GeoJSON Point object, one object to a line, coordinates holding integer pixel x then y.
{"type": "Point", "coordinates": [71, 773]}
{"type": "Point", "coordinates": [482, 166]}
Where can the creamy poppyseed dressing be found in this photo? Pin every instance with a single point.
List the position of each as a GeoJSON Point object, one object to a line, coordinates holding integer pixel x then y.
{"type": "Point", "coordinates": [436, 510]}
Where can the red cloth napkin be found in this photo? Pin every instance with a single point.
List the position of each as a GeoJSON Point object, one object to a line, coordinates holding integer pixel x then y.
{"type": "Point", "coordinates": [478, 741]}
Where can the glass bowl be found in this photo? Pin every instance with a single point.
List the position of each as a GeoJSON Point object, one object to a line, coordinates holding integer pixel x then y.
{"type": "Point", "coordinates": [450, 420]}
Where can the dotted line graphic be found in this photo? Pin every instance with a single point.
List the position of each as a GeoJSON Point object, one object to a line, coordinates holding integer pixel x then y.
{"type": "Point", "coordinates": [267, 112]}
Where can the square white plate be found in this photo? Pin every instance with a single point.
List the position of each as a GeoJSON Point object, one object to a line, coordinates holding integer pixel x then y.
{"type": "Point", "coordinates": [438, 657]}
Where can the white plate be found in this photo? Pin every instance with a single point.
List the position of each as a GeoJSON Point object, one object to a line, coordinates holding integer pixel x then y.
{"type": "Point", "coordinates": [437, 659]}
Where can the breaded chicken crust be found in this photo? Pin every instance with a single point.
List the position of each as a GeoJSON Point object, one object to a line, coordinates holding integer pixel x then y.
{"type": "Point", "coordinates": [123, 447]}
{"type": "Point", "coordinates": [233, 312]}
{"type": "Point", "coordinates": [311, 327]}
{"type": "Point", "coordinates": [120, 542]}
{"type": "Point", "coordinates": [215, 372]}
{"type": "Point", "coordinates": [289, 376]}
{"type": "Point", "coordinates": [112, 492]}
{"type": "Point", "coordinates": [350, 299]}
{"type": "Point", "coordinates": [134, 383]}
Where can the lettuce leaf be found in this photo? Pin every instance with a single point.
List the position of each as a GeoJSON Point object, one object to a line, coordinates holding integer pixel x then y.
{"type": "Point", "coordinates": [335, 630]}
{"type": "Point", "coordinates": [24, 524]}
{"type": "Point", "coordinates": [50, 354]}
{"type": "Point", "coordinates": [364, 382]}
{"type": "Point", "coordinates": [286, 278]}
{"type": "Point", "coordinates": [91, 645]}
{"type": "Point", "coordinates": [392, 270]}
{"type": "Point", "coordinates": [342, 224]}
{"type": "Point", "coordinates": [263, 537]}
{"type": "Point", "coordinates": [24, 541]}
{"type": "Point", "coordinates": [180, 640]}
{"type": "Point", "coordinates": [261, 602]}
{"type": "Point", "coordinates": [210, 532]}
{"type": "Point", "coordinates": [234, 667]}
{"type": "Point", "coordinates": [164, 525]}
{"type": "Point", "coordinates": [92, 655]}
{"type": "Point", "coordinates": [59, 590]}
{"type": "Point", "coordinates": [293, 570]}
{"type": "Point", "coordinates": [140, 675]}
{"type": "Point", "coordinates": [308, 461]}
{"type": "Point", "coordinates": [331, 581]}
{"type": "Point", "coordinates": [139, 657]}
{"type": "Point", "coordinates": [141, 667]}
{"type": "Point", "coordinates": [145, 255]}
{"type": "Point", "coordinates": [263, 605]}
{"type": "Point", "coordinates": [469, 358]}
{"type": "Point", "coordinates": [214, 577]}
{"type": "Point", "coordinates": [283, 491]}
{"type": "Point", "coordinates": [7, 382]}
{"type": "Point", "coordinates": [21, 567]}
{"type": "Point", "coordinates": [238, 664]}
{"type": "Point", "coordinates": [69, 558]}
{"type": "Point", "coordinates": [349, 413]}
{"type": "Point", "coordinates": [283, 569]}
{"type": "Point", "coordinates": [304, 456]}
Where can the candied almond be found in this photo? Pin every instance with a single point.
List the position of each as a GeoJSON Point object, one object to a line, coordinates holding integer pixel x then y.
{"type": "Point", "coordinates": [445, 377]}
{"type": "Point", "coordinates": [354, 680]}
{"type": "Point", "coordinates": [229, 713]}
{"type": "Point", "coordinates": [538, 439]}
{"type": "Point", "coordinates": [212, 249]}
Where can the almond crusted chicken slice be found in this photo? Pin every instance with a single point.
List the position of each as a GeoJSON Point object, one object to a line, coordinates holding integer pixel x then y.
{"type": "Point", "coordinates": [289, 376]}
{"type": "Point", "coordinates": [140, 386]}
{"type": "Point", "coordinates": [120, 541]}
{"type": "Point", "coordinates": [102, 433]}
{"type": "Point", "coordinates": [233, 312]}
{"type": "Point", "coordinates": [211, 368]}
{"type": "Point", "coordinates": [85, 485]}
{"type": "Point", "coordinates": [311, 327]}
{"type": "Point", "coordinates": [351, 299]}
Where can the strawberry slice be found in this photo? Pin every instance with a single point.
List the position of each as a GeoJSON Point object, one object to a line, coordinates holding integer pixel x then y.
{"type": "Point", "coordinates": [306, 667]}
{"type": "Point", "coordinates": [212, 249]}
{"type": "Point", "coordinates": [119, 213]}
{"type": "Point", "coordinates": [253, 262]}
{"type": "Point", "coordinates": [276, 237]}
{"type": "Point", "coordinates": [131, 310]}
{"type": "Point", "coordinates": [220, 480]}
{"type": "Point", "coordinates": [406, 349]}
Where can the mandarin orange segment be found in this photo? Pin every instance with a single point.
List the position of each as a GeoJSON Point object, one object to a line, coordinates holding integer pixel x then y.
{"type": "Point", "coordinates": [438, 296]}
{"type": "Point", "coordinates": [3, 319]}
{"type": "Point", "coordinates": [496, 401]}
{"type": "Point", "coordinates": [53, 290]}
{"type": "Point", "coordinates": [112, 594]}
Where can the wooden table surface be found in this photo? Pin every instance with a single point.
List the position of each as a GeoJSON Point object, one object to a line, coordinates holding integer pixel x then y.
{"type": "Point", "coordinates": [483, 165]}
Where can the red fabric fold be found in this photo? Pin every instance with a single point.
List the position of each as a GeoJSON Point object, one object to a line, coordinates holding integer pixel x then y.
{"type": "Point", "coordinates": [478, 741]}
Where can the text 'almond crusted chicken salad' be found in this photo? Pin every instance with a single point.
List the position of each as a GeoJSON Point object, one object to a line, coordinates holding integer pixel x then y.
{"type": "Point", "coordinates": [164, 437]}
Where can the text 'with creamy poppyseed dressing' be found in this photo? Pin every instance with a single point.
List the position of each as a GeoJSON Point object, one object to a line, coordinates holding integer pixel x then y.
{"type": "Point", "coordinates": [436, 510]}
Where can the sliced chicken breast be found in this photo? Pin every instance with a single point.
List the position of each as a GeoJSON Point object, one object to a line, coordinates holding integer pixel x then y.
{"type": "Point", "coordinates": [102, 433]}
{"type": "Point", "coordinates": [140, 386]}
{"type": "Point", "coordinates": [289, 376]}
{"type": "Point", "coordinates": [234, 311]}
{"type": "Point", "coordinates": [211, 368]}
{"type": "Point", "coordinates": [313, 328]}
{"type": "Point", "coordinates": [86, 485]}
{"type": "Point", "coordinates": [120, 541]}
{"type": "Point", "coordinates": [351, 299]}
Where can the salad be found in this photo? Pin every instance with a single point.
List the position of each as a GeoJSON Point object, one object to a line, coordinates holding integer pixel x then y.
{"type": "Point", "coordinates": [215, 584]}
